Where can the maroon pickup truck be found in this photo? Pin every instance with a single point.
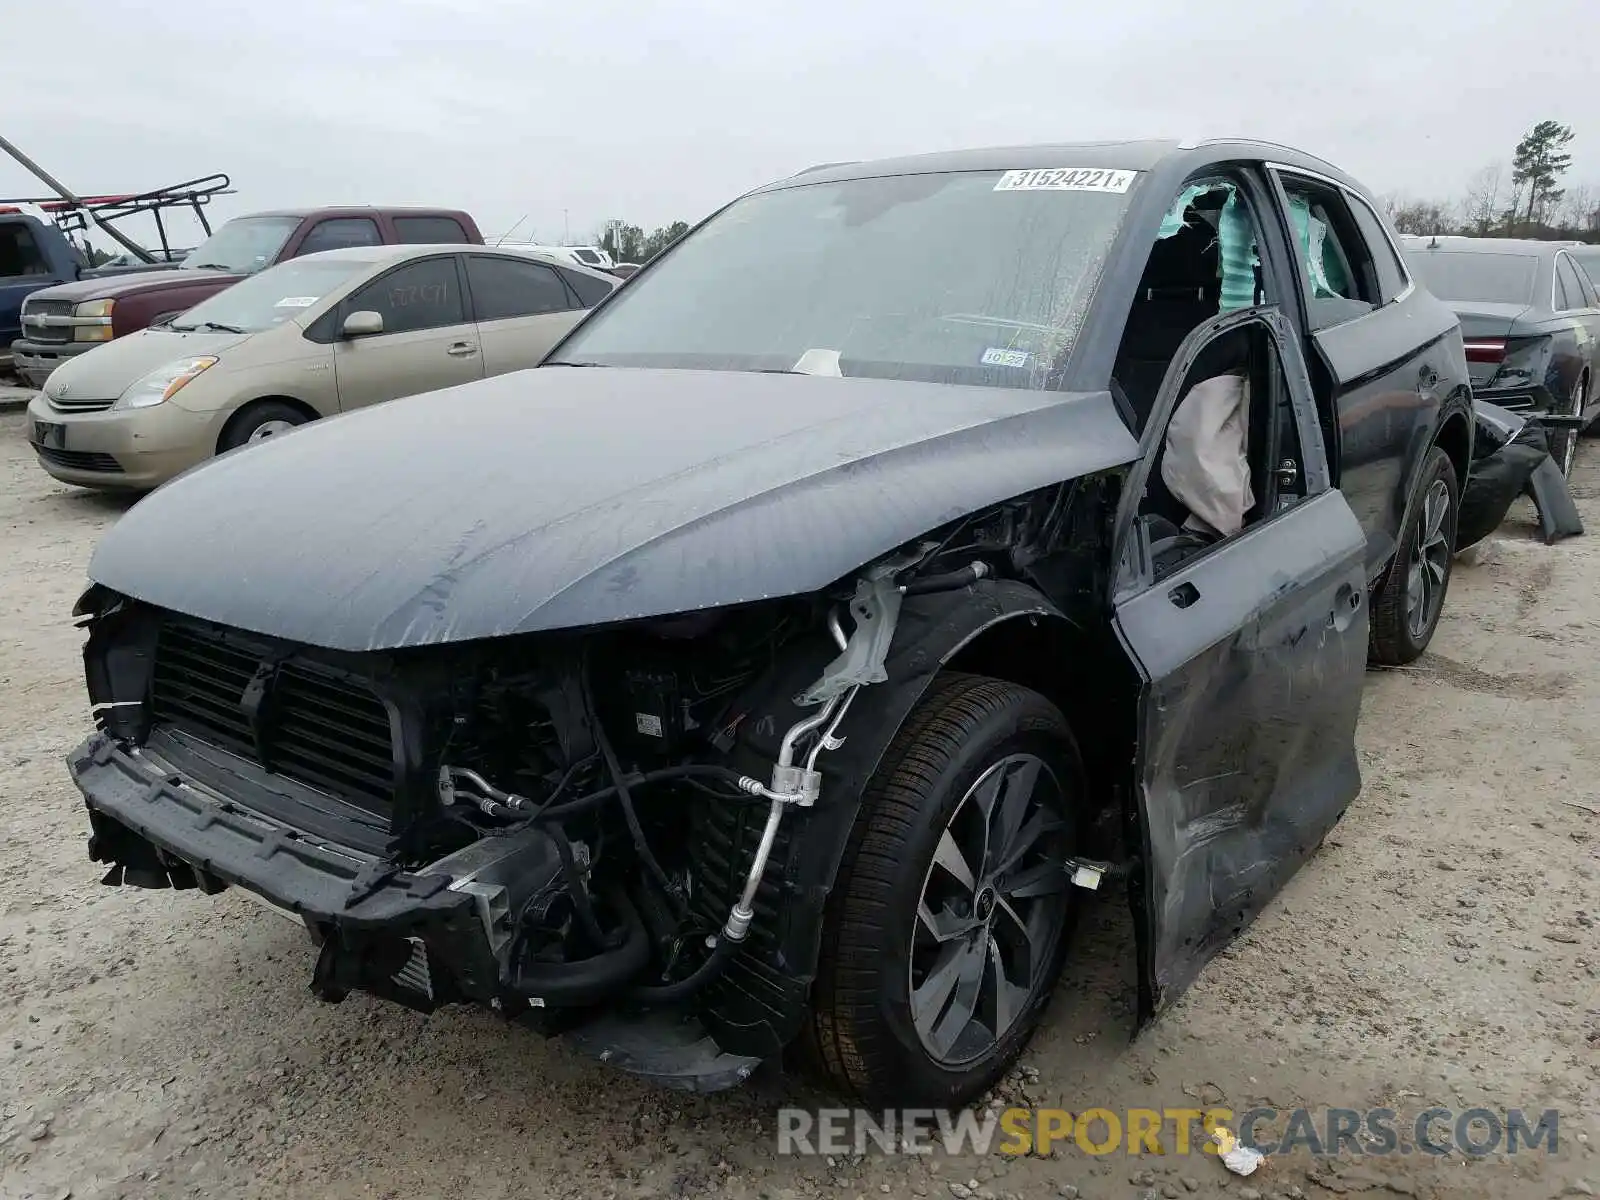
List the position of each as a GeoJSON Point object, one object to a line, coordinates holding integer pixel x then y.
{"type": "Point", "coordinates": [63, 321]}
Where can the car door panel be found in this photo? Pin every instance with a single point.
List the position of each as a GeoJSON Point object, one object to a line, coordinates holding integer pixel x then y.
{"type": "Point", "coordinates": [371, 370]}
{"type": "Point", "coordinates": [429, 341]}
{"type": "Point", "coordinates": [1387, 369]}
{"type": "Point", "coordinates": [518, 342]}
{"type": "Point", "coordinates": [1247, 724]}
{"type": "Point", "coordinates": [1251, 659]}
{"type": "Point", "coordinates": [1384, 373]}
{"type": "Point", "coordinates": [523, 307]}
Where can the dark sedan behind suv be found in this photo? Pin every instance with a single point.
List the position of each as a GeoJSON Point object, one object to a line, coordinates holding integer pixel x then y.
{"type": "Point", "coordinates": [1531, 321]}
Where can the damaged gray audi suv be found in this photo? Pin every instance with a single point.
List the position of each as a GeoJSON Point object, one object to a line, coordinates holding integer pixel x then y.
{"type": "Point", "coordinates": [914, 548]}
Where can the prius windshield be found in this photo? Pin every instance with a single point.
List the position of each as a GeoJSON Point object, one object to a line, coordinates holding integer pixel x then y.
{"type": "Point", "coordinates": [276, 295]}
{"type": "Point", "coordinates": [962, 277]}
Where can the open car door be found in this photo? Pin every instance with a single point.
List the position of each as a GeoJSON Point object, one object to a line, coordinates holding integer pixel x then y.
{"type": "Point", "coordinates": [1251, 652]}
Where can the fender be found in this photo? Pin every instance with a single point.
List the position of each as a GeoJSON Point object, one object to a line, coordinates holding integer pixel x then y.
{"type": "Point", "coordinates": [759, 1004]}
{"type": "Point", "coordinates": [1457, 404]}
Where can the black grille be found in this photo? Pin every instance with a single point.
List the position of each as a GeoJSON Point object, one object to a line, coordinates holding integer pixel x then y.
{"type": "Point", "coordinates": [77, 460]}
{"type": "Point", "coordinates": [319, 727]}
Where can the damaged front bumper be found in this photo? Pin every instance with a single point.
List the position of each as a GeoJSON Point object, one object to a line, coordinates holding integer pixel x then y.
{"type": "Point", "coordinates": [420, 939]}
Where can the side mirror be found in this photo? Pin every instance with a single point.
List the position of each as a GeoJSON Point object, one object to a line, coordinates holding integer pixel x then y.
{"type": "Point", "coordinates": [362, 324]}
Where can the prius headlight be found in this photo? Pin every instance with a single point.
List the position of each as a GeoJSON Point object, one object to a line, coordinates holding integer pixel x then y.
{"type": "Point", "coordinates": [164, 383]}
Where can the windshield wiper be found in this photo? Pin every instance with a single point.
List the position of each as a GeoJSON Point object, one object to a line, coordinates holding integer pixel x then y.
{"type": "Point", "coordinates": [567, 362]}
{"type": "Point", "coordinates": [216, 325]}
{"type": "Point", "coordinates": [209, 267]}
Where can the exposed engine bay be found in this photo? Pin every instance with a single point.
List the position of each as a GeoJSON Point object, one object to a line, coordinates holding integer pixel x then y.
{"type": "Point", "coordinates": [555, 824]}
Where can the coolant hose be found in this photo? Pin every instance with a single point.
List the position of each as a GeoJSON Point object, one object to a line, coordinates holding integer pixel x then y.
{"type": "Point", "coordinates": [682, 989]}
{"type": "Point", "coordinates": [576, 888]}
{"type": "Point", "coordinates": [590, 980]}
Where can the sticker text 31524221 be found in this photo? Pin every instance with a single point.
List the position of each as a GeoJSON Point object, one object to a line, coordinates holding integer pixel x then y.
{"type": "Point", "coordinates": [1067, 179]}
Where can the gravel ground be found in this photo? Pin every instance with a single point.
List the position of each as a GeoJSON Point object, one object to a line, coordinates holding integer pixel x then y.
{"type": "Point", "coordinates": [1441, 949]}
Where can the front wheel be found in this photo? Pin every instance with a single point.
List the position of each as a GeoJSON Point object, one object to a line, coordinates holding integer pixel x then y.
{"type": "Point", "coordinates": [948, 923]}
{"type": "Point", "coordinates": [1407, 603]}
{"type": "Point", "coordinates": [259, 421]}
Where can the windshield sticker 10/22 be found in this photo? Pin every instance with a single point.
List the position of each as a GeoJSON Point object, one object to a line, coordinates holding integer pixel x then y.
{"type": "Point", "coordinates": [1067, 179]}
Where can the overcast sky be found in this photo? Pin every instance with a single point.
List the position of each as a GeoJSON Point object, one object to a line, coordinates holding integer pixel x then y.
{"type": "Point", "coordinates": [652, 113]}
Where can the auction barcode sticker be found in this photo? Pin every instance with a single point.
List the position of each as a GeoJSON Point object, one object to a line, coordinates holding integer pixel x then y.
{"type": "Point", "coordinates": [1066, 179]}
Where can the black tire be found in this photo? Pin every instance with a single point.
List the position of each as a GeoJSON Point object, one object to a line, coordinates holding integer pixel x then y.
{"type": "Point", "coordinates": [861, 1035]}
{"type": "Point", "coordinates": [1564, 442]}
{"type": "Point", "coordinates": [247, 424]}
{"type": "Point", "coordinates": [1395, 639]}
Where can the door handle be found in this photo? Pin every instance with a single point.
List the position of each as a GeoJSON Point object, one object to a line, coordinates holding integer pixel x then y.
{"type": "Point", "coordinates": [1346, 603]}
{"type": "Point", "coordinates": [1184, 594]}
{"type": "Point", "coordinates": [462, 349]}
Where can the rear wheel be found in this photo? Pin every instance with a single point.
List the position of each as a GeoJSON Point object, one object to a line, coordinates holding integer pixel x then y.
{"type": "Point", "coordinates": [1407, 603]}
{"type": "Point", "coordinates": [259, 421]}
{"type": "Point", "coordinates": [948, 923]}
{"type": "Point", "coordinates": [1564, 442]}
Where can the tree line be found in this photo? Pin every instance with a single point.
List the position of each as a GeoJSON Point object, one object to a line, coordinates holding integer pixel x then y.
{"type": "Point", "coordinates": [1529, 200]}
{"type": "Point", "coordinates": [630, 243]}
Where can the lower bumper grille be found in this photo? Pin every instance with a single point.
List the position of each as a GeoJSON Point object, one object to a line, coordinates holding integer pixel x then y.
{"type": "Point", "coordinates": [294, 718]}
{"type": "Point", "coordinates": [78, 460]}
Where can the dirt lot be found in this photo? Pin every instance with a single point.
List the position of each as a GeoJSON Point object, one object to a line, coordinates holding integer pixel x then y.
{"type": "Point", "coordinates": [1442, 949]}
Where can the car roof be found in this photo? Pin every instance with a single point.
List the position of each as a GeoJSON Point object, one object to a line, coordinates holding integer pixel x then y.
{"type": "Point", "coordinates": [386, 255]}
{"type": "Point", "coordinates": [1454, 243]}
{"type": "Point", "coordinates": [1146, 154]}
{"type": "Point", "coordinates": [351, 210]}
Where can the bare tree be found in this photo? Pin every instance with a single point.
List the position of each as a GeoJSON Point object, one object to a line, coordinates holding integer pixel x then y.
{"type": "Point", "coordinates": [1482, 204]}
{"type": "Point", "coordinates": [1419, 216]}
{"type": "Point", "coordinates": [1580, 209]}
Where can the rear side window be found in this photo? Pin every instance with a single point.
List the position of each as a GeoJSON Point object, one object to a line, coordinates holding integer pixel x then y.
{"type": "Point", "coordinates": [1392, 278]}
{"type": "Point", "coordinates": [505, 287]}
{"type": "Point", "coordinates": [1338, 273]}
{"type": "Point", "coordinates": [419, 295]}
{"type": "Point", "coordinates": [1569, 287]}
{"type": "Point", "coordinates": [338, 233]}
{"type": "Point", "coordinates": [1586, 277]}
{"type": "Point", "coordinates": [19, 253]}
{"type": "Point", "coordinates": [430, 231]}
{"type": "Point", "coordinates": [590, 290]}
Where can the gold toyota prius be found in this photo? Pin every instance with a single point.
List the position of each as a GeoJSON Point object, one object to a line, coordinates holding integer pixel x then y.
{"type": "Point", "coordinates": [309, 338]}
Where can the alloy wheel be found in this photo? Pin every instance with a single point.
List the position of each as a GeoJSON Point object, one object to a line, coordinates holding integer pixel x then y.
{"type": "Point", "coordinates": [992, 906]}
{"type": "Point", "coordinates": [1566, 440]}
{"type": "Point", "coordinates": [268, 429]}
{"type": "Point", "coordinates": [1430, 560]}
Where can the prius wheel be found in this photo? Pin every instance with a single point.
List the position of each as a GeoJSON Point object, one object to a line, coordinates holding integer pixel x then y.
{"type": "Point", "coordinates": [948, 923]}
{"type": "Point", "coordinates": [259, 421]}
{"type": "Point", "coordinates": [1408, 602]}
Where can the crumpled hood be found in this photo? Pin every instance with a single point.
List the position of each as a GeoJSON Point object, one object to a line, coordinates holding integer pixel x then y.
{"type": "Point", "coordinates": [563, 497]}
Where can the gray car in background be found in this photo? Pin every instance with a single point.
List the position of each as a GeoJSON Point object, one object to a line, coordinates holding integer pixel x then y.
{"type": "Point", "coordinates": [1530, 317]}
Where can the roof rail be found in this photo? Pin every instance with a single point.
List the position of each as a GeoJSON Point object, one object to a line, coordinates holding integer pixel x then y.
{"type": "Point", "coordinates": [1317, 158]}
{"type": "Point", "coordinates": [824, 166]}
